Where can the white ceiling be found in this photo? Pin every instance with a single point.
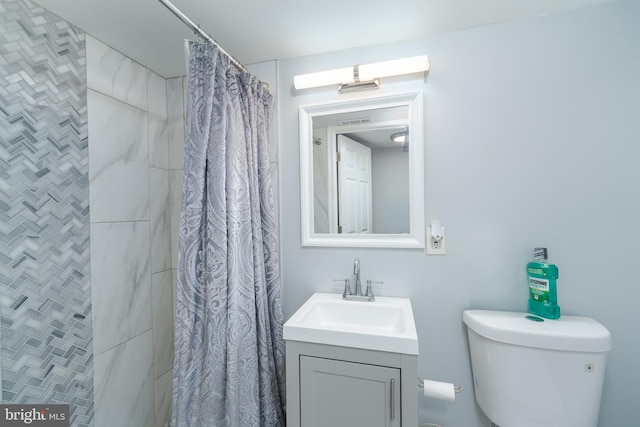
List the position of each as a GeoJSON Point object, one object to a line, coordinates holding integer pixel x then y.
{"type": "Point", "coordinates": [260, 30]}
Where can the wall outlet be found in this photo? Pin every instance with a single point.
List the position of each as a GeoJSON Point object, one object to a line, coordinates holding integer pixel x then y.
{"type": "Point", "coordinates": [436, 247]}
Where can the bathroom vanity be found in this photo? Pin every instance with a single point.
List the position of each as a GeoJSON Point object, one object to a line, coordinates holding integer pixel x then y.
{"type": "Point", "coordinates": [352, 363]}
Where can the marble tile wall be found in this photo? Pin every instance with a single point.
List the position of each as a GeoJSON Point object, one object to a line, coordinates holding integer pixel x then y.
{"type": "Point", "coordinates": [175, 134]}
{"type": "Point", "coordinates": [124, 384]}
{"type": "Point", "coordinates": [131, 261]}
{"type": "Point", "coordinates": [46, 349]}
{"type": "Point", "coordinates": [176, 103]}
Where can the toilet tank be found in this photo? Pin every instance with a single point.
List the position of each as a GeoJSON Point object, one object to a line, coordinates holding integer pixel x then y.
{"type": "Point", "coordinates": [533, 372]}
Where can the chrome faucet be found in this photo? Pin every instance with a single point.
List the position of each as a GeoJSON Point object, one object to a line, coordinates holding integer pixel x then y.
{"type": "Point", "coordinates": [357, 295]}
{"type": "Point", "coordinates": [356, 273]}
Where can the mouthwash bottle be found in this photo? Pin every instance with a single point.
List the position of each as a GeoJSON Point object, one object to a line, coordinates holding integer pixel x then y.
{"type": "Point", "coordinates": [542, 276]}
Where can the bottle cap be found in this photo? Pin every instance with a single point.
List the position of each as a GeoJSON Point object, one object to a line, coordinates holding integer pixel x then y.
{"type": "Point", "coordinates": [540, 254]}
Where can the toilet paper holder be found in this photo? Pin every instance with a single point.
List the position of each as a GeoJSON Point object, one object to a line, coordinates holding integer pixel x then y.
{"type": "Point", "coordinates": [440, 390]}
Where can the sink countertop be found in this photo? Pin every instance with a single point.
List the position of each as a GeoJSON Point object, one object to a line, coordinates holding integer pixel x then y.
{"type": "Point", "coordinates": [386, 324]}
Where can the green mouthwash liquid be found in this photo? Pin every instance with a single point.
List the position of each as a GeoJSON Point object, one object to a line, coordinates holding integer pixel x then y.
{"type": "Point", "coordinates": [542, 276]}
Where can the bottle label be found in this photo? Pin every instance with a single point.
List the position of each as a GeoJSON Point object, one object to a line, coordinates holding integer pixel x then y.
{"type": "Point", "coordinates": [539, 289]}
{"type": "Point", "coordinates": [538, 271]}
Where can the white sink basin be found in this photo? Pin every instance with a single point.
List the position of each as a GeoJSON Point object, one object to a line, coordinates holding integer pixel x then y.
{"type": "Point", "coordinates": [385, 324]}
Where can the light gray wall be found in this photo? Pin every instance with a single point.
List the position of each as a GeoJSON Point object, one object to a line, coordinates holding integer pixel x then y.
{"type": "Point", "coordinates": [531, 139]}
{"type": "Point", "coordinates": [390, 198]}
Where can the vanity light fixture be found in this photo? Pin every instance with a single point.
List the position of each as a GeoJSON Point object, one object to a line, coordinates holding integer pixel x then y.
{"type": "Point", "coordinates": [365, 76]}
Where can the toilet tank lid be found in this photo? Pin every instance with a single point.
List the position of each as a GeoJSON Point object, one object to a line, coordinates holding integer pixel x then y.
{"type": "Point", "coordinates": [569, 333]}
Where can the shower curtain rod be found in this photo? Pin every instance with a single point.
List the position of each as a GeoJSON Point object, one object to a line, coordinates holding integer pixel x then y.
{"type": "Point", "coordinates": [196, 29]}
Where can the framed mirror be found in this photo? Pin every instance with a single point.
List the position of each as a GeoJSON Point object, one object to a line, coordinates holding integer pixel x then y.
{"type": "Point", "coordinates": [362, 172]}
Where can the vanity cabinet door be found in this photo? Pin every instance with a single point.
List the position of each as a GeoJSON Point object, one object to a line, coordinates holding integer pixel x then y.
{"type": "Point", "coordinates": [345, 394]}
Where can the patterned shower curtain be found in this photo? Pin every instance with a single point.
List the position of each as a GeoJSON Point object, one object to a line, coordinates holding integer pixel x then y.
{"type": "Point", "coordinates": [229, 350]}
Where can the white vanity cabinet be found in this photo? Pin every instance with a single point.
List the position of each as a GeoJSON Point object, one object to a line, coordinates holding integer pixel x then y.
{"type": "Point", "coordinates": [352, 363]}
{"type": "Point", "coordinates": [348, 387]}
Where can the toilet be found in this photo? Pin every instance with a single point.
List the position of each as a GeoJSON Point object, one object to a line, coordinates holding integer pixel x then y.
{"type": "Point", "coordinates": [533, 372]}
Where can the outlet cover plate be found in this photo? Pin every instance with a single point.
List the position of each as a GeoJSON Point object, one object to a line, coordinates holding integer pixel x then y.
{"type": "Point", "coordinates": [440, 249]}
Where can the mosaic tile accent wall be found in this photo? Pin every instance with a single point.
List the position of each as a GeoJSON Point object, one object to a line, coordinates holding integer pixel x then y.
{"type": "Point", "coordinates": [45, 295]}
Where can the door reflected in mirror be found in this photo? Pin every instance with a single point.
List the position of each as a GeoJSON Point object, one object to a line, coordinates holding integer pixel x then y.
{"type": "Point", "coordinates": [362, 172]}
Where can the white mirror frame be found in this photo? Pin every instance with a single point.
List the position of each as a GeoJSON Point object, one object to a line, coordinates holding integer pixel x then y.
{"type": "Point", "coordinates": [416, 236]}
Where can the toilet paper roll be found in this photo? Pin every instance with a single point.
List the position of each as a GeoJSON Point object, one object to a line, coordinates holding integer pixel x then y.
{"type": "Point", "coordinates": [439, 390]}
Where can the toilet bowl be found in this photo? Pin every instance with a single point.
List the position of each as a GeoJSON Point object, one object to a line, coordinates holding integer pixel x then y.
{"type": "Point", "coordinates": [533, 372]}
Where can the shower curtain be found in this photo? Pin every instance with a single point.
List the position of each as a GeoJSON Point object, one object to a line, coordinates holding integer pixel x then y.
{"type": "Point", "coordinates": [229, 350]}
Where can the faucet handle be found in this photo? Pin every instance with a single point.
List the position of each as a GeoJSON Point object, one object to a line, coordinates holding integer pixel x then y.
{"type": "Point", "coordinates": [369, 292]}
{"type": "Point", "coordinates": [347, 289]}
